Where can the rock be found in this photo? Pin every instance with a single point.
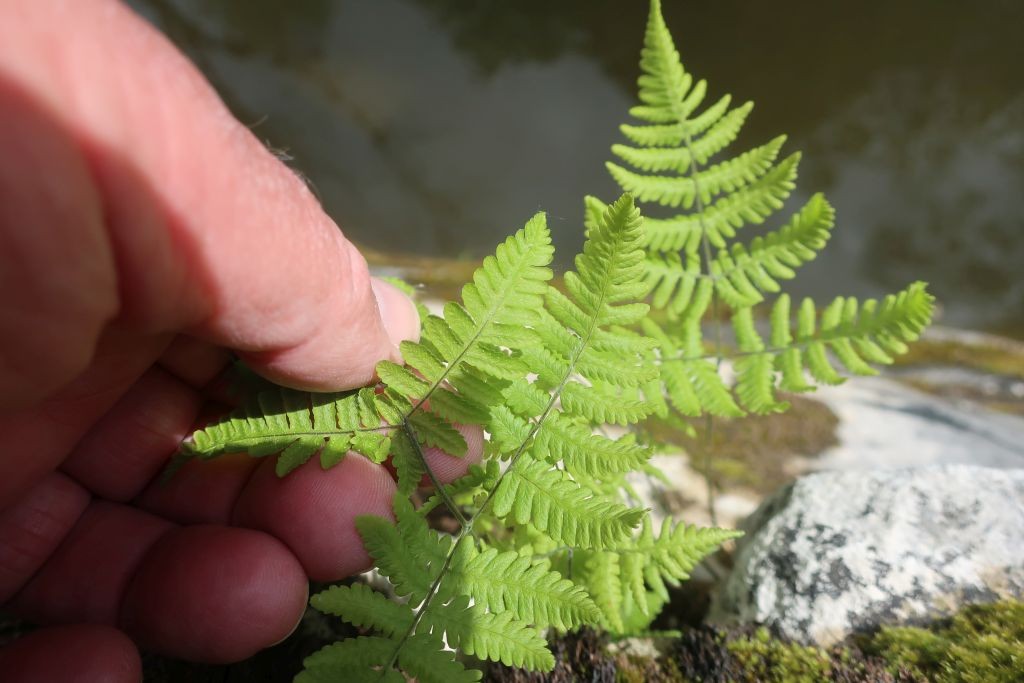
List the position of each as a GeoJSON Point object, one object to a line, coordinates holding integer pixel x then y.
{"type": "Point", "coordinates": [841, 552]}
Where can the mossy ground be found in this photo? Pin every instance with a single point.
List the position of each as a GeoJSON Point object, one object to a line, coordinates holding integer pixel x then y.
{"type": "Point", "coordinates": [982, 644]}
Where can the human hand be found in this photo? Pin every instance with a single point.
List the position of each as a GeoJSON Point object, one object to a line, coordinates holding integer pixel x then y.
{"type": "Point", "coordinates": [143, 231]}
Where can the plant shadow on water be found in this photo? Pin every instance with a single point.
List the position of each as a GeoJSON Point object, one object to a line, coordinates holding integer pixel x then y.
{"type": "Point", "coordinates": [430, 127]}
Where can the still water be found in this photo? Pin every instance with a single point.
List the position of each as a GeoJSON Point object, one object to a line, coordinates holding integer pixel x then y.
{"type": "Point", "coordinates": [434, 127]}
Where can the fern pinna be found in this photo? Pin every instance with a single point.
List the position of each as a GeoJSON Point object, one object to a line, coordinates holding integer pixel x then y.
{"type": "Point", "coordinates": [695, 269]}
{"type": "Point", "coordinates": [546, 541]}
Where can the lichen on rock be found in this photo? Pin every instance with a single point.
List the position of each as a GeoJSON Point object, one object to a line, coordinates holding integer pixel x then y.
{"type": "Point", "coordinates": [844, 552]}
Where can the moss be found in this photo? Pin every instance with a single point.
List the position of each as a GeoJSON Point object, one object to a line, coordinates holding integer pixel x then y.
{"type": "Point", "coordinates": [773, 661]}
{"type": "Point", "coordinates": [708, 655]}
{"type": "Point", "coordinates": [753, 452]}
{"type": "Point", "coordinates": [981, 644]}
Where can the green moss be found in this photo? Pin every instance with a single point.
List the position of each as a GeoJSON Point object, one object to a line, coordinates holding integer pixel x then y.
{"type": "Point", "coordinates": [981, 644]}
{"type": "Point", "coordinates": [766, 659]}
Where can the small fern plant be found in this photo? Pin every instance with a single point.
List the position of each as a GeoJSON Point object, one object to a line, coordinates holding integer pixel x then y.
{"type": "Point", "coordinates": [546, 542]}
{"type": "Point", "coordinates": [547, 538]}
{"type": "Point", "coordinates": [698, 272]}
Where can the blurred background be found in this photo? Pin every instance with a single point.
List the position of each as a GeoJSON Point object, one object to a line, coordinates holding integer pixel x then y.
{"type": "Point", "coordinates": [432, 128]}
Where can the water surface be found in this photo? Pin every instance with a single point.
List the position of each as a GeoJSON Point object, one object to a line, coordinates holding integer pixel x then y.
{"type": "Point", "coordinates": [434, 127]}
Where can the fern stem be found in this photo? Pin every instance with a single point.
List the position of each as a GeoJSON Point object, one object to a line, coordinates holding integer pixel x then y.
{"type": "Point", "coordinates": [709, 420]}
{"type": "Point", "coordinates": [410, 433]}
{"type": "Point", "coordinates": [467, 524]}
{"type": "Point", "coordinates": [768, 350]}
{"type": "Point", "coordinates": [422, 609]}
{"type": "Point", "coordinates": [555, 395]}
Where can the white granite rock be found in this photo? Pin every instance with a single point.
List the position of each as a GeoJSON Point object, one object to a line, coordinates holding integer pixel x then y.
{"type": "Point", "coordinates": [841, 552]}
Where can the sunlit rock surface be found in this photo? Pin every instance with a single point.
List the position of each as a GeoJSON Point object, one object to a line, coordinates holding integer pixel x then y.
{"type": "Point", "coordinates": [840, 552]}
{"type": "Point", "coordinates": [884, 424]}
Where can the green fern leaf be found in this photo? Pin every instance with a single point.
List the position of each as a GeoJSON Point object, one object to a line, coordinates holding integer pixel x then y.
{"type": "Point", "coordinates": [486, 635]}
{"type": "Point", "coordinates": [743, 274]}
{"type": "Point", "coordinates": [511, 582]}
{"type": "Point", "coordinates": [357, 659]}
{"type": "Point", "coordinates": [600, 403]}
{"type": "Point", "coordinates": [426, 661]}
{"type": "Point", "coordinates": [674, 158]}
{"type": "Point", "coordinates": [633, 576]}
{"type": "Point", "coordinates": [675, 551]}
{"type": "Point", "coordinates": [604, 583]}
{"type": "Point", "coordinates": [755, 372]}
{"type": "Point", "coordinates": [586, 454]}
{"type": "Point", "coordinates": [693, 383]}
{"type": "Point", "coordinates": [408, 552]}
{"type": "Point", "coordinates": [298, 424]}
{"type": "Point", "coordinates": [362, 606]}
{"type": "Point", "coordinates": [856, 334]}
{"type": "Point", "coordinates": [434, 430]}
{"type": "Point", "coordinates": [677, 190]}
{"type": "Point", "coordinates": [554, 503]}
{"type": "Point", "coordinates": [364, 659]}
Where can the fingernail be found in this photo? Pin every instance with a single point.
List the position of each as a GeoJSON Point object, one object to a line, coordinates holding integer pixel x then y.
{"type": "Point", "coordinates": [401, 320]}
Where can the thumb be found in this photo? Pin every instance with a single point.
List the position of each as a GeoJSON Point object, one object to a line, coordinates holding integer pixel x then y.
{"type": "Point", "coordinates": [208, 232]}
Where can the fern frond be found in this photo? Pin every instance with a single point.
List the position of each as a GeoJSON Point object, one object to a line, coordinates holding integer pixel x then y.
{"type": "Point", "coordinates": [361, 660]}
{"type": "Point", "coordinates": [743, 274]}
{"type": "Point", "coordinates": [299, 424]}
{"type": "Point", "coordinates": [498, 306]}
{"type": "Point", "coordinates": [601, 403]}
{"type": "Point", "coordinates": [588, 372]}
{"type": "Point", "coordinates": [511, 582]}
{"type": "Point", "coordinates": [673, 157]}
{"type": "Point", "coordinates": [856, 334]}
{"type": "Point", "coordinates": [587, 454]}
{"type": "Point", "coordinates": [407, 459]}
{"type": "Point", "coordinates": [362, 606]}
{"type": "Point", "coordinates": [603, 580]}
{"type": "Point", "coordinates": [728, 176]}
{"type": "Point", "coordinates": [426, 661]}
{"type": "Point", "coordinates": [673, 134]}
{"type": "Point", "coordinates": [408, 552]}
{"type": "Point", "coordinates": [675, 551]}
{"type": "Point", "coordinates": [633, 575]}
{"type": "Point", "coordinates": [691, 381]}
{"type": "Point", "coordinates": [364, 660]}
{"type": "Point", "coordinates": [434, 430]}
{"type": "Point", "coordinates": [549, 499]}
{"type": "Point", "coordinates": [487, 635]}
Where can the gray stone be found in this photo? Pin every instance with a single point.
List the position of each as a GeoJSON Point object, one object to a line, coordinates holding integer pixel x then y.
{"type": "Point", "coordinates": [841, 552]}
